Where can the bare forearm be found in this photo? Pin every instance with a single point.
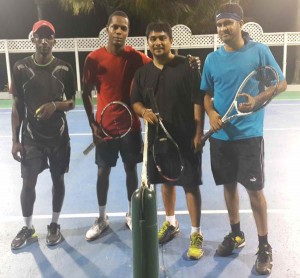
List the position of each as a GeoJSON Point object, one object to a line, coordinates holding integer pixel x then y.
{"type": "Point", "coordinates": [88, 104]}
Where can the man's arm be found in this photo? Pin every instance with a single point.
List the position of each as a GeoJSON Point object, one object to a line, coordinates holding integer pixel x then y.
{"type": "Point", "coordinates": [215, 119]}
{"type": "Point", "coordinates": [145, 113]}
{"type": "Point", "coordinates": [199, 115]}
{"type": "Point", "coordinates": [17, 117]}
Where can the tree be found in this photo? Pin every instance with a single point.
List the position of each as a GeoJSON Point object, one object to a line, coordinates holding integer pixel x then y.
{"type": "Point", "coordinates": [198, 15]}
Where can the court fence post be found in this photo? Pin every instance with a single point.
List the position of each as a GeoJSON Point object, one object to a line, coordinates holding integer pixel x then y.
{"type": "Point", "coordinates": [144, 233]}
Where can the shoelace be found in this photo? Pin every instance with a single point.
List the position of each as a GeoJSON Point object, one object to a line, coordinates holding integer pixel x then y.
{"type": "Point", "coordinates": [24, 232]}
{"type": "Point", "coordinates": [263, 255]}
{"type": "Point", "coordinates": [196, 240]}
{"type": "Point", "coordinates": [164, 228]}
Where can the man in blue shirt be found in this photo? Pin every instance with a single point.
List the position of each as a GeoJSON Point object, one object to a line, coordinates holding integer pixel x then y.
{"type": "Point", "coordinates": [237, 149]}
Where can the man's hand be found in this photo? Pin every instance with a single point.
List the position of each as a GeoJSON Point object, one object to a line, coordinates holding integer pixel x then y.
{"type": "Point", "coordinates": [215, 120]}
{"type": "Point", "coordinates": [98, 136]}
{"type": "Point", "coordinates": [45, 111]}
{"type": "Point", "coordinates": [195, 62]}
{"type": "Point", "coordinates": [248, 105]}
{"type": "Point", "coordinates": [149, 116]}
{"type": "Point", "coordinates": [17, 151]}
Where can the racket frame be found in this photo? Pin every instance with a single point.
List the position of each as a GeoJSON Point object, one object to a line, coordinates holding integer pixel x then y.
{"type": "Point", "coordinates": [160, 123]}
{"type": "Point", "coordinates": [234, 103]}
{"type": "Point", "coordinates": [92, 145]}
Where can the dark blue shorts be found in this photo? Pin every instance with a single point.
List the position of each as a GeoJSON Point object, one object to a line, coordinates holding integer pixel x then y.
{"type": "Point", "coordinates": [130, 148]}
{"type": "Point", "coordinates": [37, 157]}
{"type": "Point", "coordinates": [238, 161]}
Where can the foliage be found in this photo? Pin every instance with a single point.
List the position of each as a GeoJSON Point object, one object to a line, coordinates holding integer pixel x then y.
{"type": "Point", "coordinates": [197, 14]}
{"type": "Point", "coordinates": [77, 6]}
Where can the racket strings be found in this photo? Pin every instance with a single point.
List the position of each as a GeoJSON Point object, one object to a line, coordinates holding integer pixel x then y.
{"type": "Point", "coordinates": [116, 120]}
{"type": "Point", "coordinates": [167, 158]}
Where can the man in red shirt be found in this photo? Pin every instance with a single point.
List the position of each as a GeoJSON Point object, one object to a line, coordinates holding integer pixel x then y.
{"type": "Point", "coordinates": [111, 69]}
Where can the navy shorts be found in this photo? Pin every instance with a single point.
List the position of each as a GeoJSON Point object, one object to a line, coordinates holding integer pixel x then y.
{"type": "Point", "coordinates": [238, 161]}
{"type": "Point", "coordinates": [37, 157]}
{"type": "Point", "coordinates": [130, 148]}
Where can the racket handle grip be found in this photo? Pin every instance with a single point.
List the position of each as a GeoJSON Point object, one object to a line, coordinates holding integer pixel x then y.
{"type": "Point", "coordinates": [206, 136]}
{"type": "Point", "coordinates": [89, 148]}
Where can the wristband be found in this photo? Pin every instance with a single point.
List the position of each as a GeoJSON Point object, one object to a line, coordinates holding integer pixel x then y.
{"type": "Point", "coordinates": [54, 105]}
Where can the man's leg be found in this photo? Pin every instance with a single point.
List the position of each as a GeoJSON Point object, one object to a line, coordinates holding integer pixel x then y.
{"type": "Point", "coordinates": [101, 223]}
{"type": "Point", "coordinates": [58, 194]}
{"type": "Point", "coordinates": [193, 200]}
{"type": "Point", "coordinates": [264, 261]}
{"type": "Point", "coordinates": [231, 196]}
{"type": "Point", "coordinates": [131, 185]}
{"type": "Point", "coordinates": [235, 239]}
{"type": "Point", "coordinates": [28, 196]}
{"type": "Point", "coordinates": [259, 208]}
{"type": "Point", "coordinates": [170, 227]}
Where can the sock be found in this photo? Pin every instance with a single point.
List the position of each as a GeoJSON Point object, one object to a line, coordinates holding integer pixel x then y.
{"type": "Point", "coordinates": [236, 228]}
{"type": "Point", "coordinates": [129, 208]}
{"type": "Point", "coordinates": [171, 219]}
{"type": "Point", "coordinates": [102, 211]}
{"type": "Point", "coordinates": [55, 216]}
{"type": "Point", "coordinates": [262, 240]}
{"type": "Point", "coordinates": [196, 230]}
{"type": "Point", "coordinates": [28, 221]}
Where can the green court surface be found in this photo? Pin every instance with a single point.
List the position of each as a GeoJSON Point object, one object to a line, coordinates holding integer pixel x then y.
{"type": "Point", "coordinates": [288, 95]}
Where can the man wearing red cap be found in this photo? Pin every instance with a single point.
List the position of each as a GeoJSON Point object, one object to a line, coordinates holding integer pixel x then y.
{"type": "Point", "coordinates": [43, 88]}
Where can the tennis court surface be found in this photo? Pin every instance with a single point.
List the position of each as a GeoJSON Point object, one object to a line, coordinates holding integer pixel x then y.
{"type": "Point", "coordinates": [111, 254]}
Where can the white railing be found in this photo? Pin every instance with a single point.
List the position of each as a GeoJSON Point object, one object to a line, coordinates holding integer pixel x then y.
{"type": "Point", "coordinates": [183, 39]}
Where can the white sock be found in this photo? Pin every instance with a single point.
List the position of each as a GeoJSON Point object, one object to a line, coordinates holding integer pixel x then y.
{"type": "Point", "coordinates": [129, 209]}
{"type": "Point", "coordinates": [55, 216]}
{"type": "Point", "coordinates": [102, 211]}
{"type": "Point", "coordinates": [171, 219]}
{"type": "Point", "coordinates": [28, 222]}
{"type": "Point", "coordinates": [196, 230]}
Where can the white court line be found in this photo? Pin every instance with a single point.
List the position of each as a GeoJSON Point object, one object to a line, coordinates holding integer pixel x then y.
{"type": "Point", "coordinates": [90, 134]}
{"type": "Point", "coordinates": [118, 214]}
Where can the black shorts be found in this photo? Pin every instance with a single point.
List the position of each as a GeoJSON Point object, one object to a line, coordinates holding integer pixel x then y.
{"type": "Point", "coordinates": [238, 161]}
{"type": "Point", "coordinates": [192, 171]}
{"type": "Point", "coordinates": [37, 157]}
{"type": "Point", "coordinates": [130, 148]}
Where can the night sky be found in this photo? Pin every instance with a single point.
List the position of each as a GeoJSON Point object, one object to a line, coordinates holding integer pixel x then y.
{"type": "Point", "coordinates": [18, 16]}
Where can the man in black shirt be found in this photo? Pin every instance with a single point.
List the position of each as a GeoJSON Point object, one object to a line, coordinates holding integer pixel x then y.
{"type": "Point", "coordinates": [43, 88]}
{"type": "Point", "coordinates": [176, 89]}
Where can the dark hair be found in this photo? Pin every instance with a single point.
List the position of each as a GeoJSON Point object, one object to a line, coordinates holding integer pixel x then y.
{"type": "Point", "coordinates": [159, 26]}
{"type": "Point", "coordinates": [231, 8]}
{"type": "Point", "coordinates": [117, 13]}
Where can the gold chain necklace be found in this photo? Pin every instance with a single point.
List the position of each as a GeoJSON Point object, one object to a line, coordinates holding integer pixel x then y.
{"type": "Point", "coordinates": [42, 65]}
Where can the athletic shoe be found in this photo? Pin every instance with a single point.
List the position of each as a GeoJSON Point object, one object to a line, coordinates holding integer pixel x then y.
{"type": "Point", "coordinates": [24, 237]}
{"type": "Point", "coordinates": [264, 261]}
{"type": "Point", "coordinates": [128, 221]}
{"type": "Point", "coordinates": [230, 242]}
{"type": "Point", "coordinates": [99, 226]}
{"type": "Point", "coordinates": [53, 235]}
{"type": "Point", "coordinates": [167, 232]}
{"type": "Point", "coordinates": [195, 251]}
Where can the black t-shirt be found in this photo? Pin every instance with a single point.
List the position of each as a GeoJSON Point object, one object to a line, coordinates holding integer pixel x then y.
{"type": "Point", "coordinates": [36, 85]}
{"type": "Point", "coordinates": [177, 89]}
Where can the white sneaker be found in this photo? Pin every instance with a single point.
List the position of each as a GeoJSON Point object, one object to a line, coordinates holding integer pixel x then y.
{"type": "Point", "coordinates": [128, 222]}
{"type": "Point", "coordinates": [99, 226]}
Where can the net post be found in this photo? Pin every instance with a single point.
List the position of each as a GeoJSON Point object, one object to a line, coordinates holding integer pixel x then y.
{"type": "Point", "coordinates": [144, 226]}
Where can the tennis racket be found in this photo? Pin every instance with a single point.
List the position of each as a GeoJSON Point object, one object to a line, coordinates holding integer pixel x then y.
{"type": "Point", "coordinates": [166, 153]}
{"type": "Point", "coordinates": [115, 122]}
{"type": "Point", "coordinates": [254, 93]}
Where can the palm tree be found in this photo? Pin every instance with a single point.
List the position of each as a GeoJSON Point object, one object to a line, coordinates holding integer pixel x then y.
{"type": "Point", "coordinates": [197, 14]}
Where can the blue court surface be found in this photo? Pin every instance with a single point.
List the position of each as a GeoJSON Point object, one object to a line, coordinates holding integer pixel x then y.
{"type": "Point", "coordinates": [111, 254]}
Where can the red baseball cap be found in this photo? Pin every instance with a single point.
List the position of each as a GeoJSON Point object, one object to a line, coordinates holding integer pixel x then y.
{"type": "Point", "coordinates": [42, 23]}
